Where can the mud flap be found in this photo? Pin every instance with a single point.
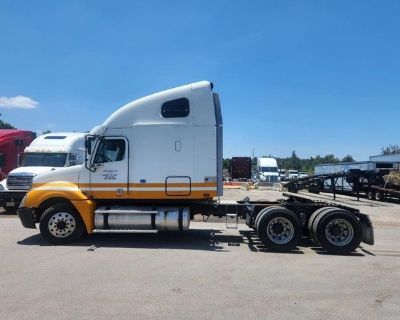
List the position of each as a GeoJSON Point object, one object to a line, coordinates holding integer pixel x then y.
{"type": "Point", "coordinates": [367, 229]}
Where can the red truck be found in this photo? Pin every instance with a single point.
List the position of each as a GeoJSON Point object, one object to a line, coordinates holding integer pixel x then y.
{"type": "Point", "coordinates": [12, 145]}
{"type": "Point", "coordinates": [240, 168]}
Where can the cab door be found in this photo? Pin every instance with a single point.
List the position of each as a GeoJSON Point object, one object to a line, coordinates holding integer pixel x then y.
{"type": "Point", "coordinates": [109, 179]}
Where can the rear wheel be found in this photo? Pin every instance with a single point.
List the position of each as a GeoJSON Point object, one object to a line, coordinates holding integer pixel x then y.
{"type": "Point", "coordinates": [378, 196]}
{"type": "Point", "coordinates": [337, 231]}
{"type": "Point", "coordinates": [260, 214]}
{"type": "Point", "coordinates": [61, 224]}
{"type": "Point", "coordinates": [279, 229]}
{"type": "Point", "coordinates": [311, 222]}
{"type": "Point", "coordinates": [371, 195]}
{"type": "Point", "coordinates": [314, 188]}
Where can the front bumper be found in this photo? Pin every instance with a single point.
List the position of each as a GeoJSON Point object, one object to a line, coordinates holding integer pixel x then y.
{"type": "Point", "coordinates": [27, 217]}
{"type": "Point", "coordinates": [11, 199]}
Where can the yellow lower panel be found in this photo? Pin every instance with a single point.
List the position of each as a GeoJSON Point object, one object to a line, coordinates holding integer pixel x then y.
{"type": "Point", "coordinates": [86, 209]}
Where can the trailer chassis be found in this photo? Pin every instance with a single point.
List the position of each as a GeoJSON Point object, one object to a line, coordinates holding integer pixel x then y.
{"type": "Point", "coordinates": [281, 224]}
{"type": "Point", "coordinates": [368, 182]}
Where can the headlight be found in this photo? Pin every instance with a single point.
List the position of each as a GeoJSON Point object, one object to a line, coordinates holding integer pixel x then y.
{"type": "Point", "coordinates": [23, 201]}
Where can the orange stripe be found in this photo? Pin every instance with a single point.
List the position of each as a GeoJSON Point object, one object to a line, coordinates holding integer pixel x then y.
{"type": "Point", "coordinates": [153, 195]}
{"type": "Point", "coordinates": [124, 185]}
{"type": "Point", "coordinates": [161, 185]}
{"type": "Point", "coordinates": [55, 184]}
{"type": "Point", "coordinates": [103, 185]}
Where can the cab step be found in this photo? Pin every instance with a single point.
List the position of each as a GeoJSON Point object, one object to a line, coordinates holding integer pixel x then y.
{"type": "Point", "coordinates": [231, 220]}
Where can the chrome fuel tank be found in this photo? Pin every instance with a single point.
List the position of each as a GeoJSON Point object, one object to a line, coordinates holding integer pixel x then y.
{"type": "Point", "coordinates": [142, 218]}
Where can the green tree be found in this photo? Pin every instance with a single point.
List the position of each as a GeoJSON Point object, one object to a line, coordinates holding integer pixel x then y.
{"type": "Point", "coordinates": [348, 158]}
{"type": "Point", "coordinates": [5, 125]}
{"type": "Point", "coordinates": [391, 149]}
{"type": "Point", "coordinates": [330, 158]}
{"type": "Point", "coordinates": [227, 163]}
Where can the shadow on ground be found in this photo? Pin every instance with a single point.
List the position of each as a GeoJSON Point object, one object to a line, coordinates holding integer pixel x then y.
{"type": "Point", "coordinates": [194, 239]}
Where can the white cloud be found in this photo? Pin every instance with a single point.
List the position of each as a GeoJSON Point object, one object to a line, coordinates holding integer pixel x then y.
{"type": "Point", "coordinates": [18, 102]}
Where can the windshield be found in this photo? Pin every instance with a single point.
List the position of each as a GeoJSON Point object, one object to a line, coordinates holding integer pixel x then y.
{"type": "Point", "coordinates": [44, 159]}
{"type": "Point", "coordinates": [269, 169]}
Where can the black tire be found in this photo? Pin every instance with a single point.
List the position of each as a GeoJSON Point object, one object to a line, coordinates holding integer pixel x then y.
{"type": "Point", "coordinates": [290, 223]}
{"type": "Point", "coordinates": [314, 188]}
{"type": "Point", "coordinates": [66, 225]}
{"type": "Point", "coordinates": [370, 195]}
{"type": "Point", "coordinates": [260, 214]}
{"type": "Point", "coordinates": [350, 231]}
{"type": "Point", "coordinates": [311, 220]}
{"type": "Point", "coordinates": [378, 196]}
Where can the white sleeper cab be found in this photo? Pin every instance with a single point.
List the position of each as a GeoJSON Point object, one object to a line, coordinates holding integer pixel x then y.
{"type": "Point", "coordinates": [154, 164]}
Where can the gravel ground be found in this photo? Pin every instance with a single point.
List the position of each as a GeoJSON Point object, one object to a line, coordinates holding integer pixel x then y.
{"type": "Point", "coordinates": [207, 272]}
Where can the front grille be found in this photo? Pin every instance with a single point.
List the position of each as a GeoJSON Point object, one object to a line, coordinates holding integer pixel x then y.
{"type": "Point", "coordinates": [19, 182]}
{"type": "Point", "coordinates": [273, 179]}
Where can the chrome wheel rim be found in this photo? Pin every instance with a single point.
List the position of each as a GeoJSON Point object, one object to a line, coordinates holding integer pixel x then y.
{"type": "Point", "coordinates": [280, 230]}
{"type": "Point", "coordinates": [61, 224]}
{"type": "Point", "coordinates": [339, 232]}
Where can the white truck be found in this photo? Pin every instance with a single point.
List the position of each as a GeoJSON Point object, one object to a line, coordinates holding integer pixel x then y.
{"type": "Point", "coordinates": [154, 164]}
{"type": "Point", "coordinates": [46, 153]}
{"type": "Point", "coordinates": [267, 170]}
{"type": "Point", "coordinates": [302, 174]}
{"type": "Point", "coordinates": [292, 174]}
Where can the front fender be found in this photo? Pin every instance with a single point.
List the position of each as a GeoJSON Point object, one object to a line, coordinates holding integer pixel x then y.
{"type": "Point", "coordinates": [40, 193]}
{"type": "Point", "coordinates": [66, 190]}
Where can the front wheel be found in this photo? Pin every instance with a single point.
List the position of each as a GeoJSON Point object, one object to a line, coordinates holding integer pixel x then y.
{"type": "Point", "coordinates": [61, 224]}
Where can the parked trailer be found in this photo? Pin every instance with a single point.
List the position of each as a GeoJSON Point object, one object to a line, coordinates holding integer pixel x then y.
{"type": "Point", "coordinates": [157, 162]}
{"type": "Point", "coordinates": [354, 182]}
{"type": "Point", "coordinates": [240, 168]}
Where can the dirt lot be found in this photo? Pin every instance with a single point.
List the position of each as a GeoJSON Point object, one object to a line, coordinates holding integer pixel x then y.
{"type": "Point", "coordinates": [205, 273]}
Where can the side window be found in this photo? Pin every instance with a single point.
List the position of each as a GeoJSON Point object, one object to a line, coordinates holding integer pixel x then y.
{"type": "Point", "coordinates": [19, 142]}
{"type": "Point", "coordinates": [72, 159]}
{"type": "Point", "coordinates": [178, 108]}
{"type": "Point", "coordinates": [110, 150]}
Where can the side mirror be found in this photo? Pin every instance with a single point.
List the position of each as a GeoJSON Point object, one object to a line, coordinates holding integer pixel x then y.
{"type": "Point", "coordinates": [88, 145]}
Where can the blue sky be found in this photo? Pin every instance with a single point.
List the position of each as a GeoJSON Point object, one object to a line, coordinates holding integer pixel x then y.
{"type": "Point", "coordinates": [317, 77]}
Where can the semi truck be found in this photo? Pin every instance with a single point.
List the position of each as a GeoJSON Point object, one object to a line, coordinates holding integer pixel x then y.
{"type": "Point", "coordinates": [48, 152]}
{"type": "Point", "coordinates": [267, 170]}
{"type": "Point", "coordinates": [12, 145]}
{"type": "Point", "coordinates": [154, 164]}
{"type": "Point", "coordinates": [240, 168]}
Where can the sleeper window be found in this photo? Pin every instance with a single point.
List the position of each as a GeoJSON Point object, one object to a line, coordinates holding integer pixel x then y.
{"type": "Point", "coordinates": [178, 108]}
